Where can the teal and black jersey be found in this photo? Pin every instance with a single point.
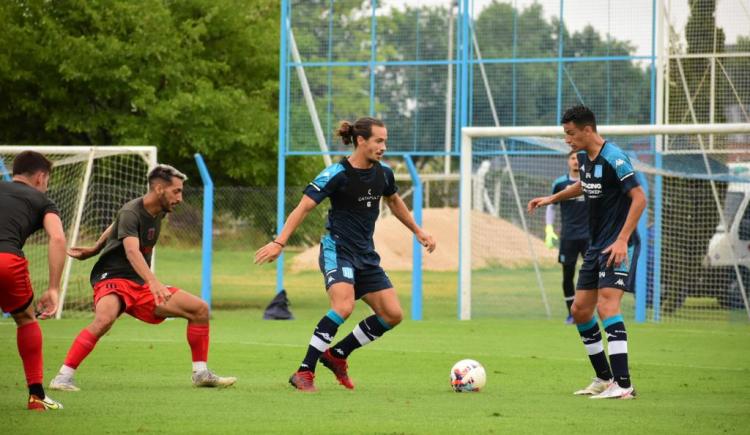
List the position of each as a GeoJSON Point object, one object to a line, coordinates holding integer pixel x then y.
{"type": "Point", "coordinates": [574, 212]}
{"type": "Point", "coordinates": [355, 202]}
{"type": "Point", "coordinates": [606, 181]}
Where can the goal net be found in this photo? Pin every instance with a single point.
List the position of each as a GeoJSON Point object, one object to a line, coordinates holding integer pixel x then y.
{"type": "Point", "coordinates": [89, 185]}
{"type": "Point", "coordinates": [695, 233]}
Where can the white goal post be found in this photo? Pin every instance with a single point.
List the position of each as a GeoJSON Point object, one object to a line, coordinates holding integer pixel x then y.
{"type": "Point", "coordinates": [88, 184]}
{"type": "Point", "coordinates": [731, 147]}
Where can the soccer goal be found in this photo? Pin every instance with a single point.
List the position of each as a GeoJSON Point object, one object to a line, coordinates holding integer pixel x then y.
{"type": "Point", "coordinates": [695, 232]}
{"type": "Point", "coordinates": [89, 185]}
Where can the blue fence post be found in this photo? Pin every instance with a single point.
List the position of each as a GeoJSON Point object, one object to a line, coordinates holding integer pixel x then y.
{"type": "Point", "coordinates": [658, 192]}
{"type": "Point", "coordinates": [463, 102]}
{"type": "Point", "coordinates": [641, 284]}
{"type": "Point", "coordinates": [281, 157]}
{"type": "Point", "coordinates": [416, 272]}
{"type": "Point", "coordinates": [208, 229]}
{"type": "Point", "coordinates": [560, 47]}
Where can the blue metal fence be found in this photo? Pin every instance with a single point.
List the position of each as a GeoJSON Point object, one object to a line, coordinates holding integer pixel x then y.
{"type": "Point", "coordinates": [390, 59]}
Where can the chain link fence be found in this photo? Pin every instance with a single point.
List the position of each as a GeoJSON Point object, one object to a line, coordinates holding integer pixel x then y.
{"type": "Point", "coordinates": [244, 218]}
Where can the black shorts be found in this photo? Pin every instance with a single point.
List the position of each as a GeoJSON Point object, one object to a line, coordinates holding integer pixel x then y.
{"type": "Point", "coordinates": [338, 265]}
{"type": "Point", "coordinates": [571, 249]}
{"type": "Point", "coordinates": [594, 273]}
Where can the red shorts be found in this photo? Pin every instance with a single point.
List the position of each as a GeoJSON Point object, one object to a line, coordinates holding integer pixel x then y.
{"type": "Point", "coordinates": [138, 299]}
{"type": "Point", "coordinates": [15, 284]}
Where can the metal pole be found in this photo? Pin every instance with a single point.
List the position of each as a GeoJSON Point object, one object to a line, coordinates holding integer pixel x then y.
{"type": "Point", "coordinates": [281, 157]}
{"type": "Point", "coordinates": [559, 62]}
{"type": "Point", "coordinates": [449, 97]}
{"type": "Point", "coordinates": [416, 272]}
{"type": "Point", "coordinates": [208, 215]}
{"type": "Point", "coordinates": [464, 290]}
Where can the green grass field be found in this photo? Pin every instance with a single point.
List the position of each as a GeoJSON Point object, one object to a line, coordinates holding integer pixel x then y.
{"type": "Point", "coordinates": [691, 377]}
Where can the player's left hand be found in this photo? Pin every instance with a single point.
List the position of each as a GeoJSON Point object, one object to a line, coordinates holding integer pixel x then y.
{"type": "Point", "coordinates": [618, 253]}
{"type": "Point", "coordinates": [47, 306]}
{"type": "Point", "coordinates": [426, 240]}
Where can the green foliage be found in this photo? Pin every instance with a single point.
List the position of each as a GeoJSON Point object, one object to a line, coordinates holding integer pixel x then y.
{"type": "Point", "coordinates": [189, 76]}
{"type": "Point", "coordinates": [703, 37]}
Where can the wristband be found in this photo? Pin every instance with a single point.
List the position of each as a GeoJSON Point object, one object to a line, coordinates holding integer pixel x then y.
{"type": "Point", "coordinates": [278, 243]}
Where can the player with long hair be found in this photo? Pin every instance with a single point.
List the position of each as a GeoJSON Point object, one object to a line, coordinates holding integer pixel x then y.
{"type": "Point", "coordinates": [348, 261]}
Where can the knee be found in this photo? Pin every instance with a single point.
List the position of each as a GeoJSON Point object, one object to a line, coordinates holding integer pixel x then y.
{"type": "Point", "coordinates": [343, 307]}
{"type": "Point", "coordinates": [607, 308]}
{"type": "Point", "coordinates": [201, 312]}
{"type": "Point", "coordinates": [24, 317]}
{"type": "Point", "coordinates": [101, 325]}
{"type": "Point", "coordinates": [393, 317]}
{"type": "Point", "coordinates": [581, 313]}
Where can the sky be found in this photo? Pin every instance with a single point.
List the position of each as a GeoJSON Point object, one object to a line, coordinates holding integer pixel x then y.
{"type": "Point", "coordinates": [629, 20]}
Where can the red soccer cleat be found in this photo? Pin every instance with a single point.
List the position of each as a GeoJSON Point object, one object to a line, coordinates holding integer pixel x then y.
{"type": "Point", "coordinates": [338, 366]}
{"type": "Point", "coordinates": [303, 381]}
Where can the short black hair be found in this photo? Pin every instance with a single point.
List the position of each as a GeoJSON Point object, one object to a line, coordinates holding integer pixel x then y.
{"type": "Point", "coordinates": [164, 173]}
{"type": "Point", "coordinates": [31, 162]}
{"type": "Point", "coordinates": [579, 115]}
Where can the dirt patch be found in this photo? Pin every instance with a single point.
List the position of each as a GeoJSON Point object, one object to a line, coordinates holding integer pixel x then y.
{"type": "Point", "coordinates": [497, 242]}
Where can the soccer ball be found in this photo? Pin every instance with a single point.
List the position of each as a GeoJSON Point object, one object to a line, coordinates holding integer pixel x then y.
{"type": "Point", "coordinates": [468, 375]}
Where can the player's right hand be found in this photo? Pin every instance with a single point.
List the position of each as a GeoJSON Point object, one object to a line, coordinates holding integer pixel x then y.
{"type": "Point", "coordinates": [160, 292]}
{"type": "Point", "coordinates": [268, 253]}
{"type": "Point", "coordinates": [47, 306]}
{"type": "Point", "coordinates": [80, 253]}
{"type": "Point", "coordinates": [538, 202]}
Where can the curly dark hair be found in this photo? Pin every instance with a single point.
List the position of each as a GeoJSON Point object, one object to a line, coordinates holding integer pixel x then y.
{"type": "Point", "coordinates": [348, 132]}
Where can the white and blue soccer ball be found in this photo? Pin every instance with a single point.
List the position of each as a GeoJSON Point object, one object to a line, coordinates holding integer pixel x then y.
{"type": "Point", "coordinates": [468, 375]}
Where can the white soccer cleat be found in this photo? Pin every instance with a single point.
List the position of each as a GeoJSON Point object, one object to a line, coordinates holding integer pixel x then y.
{"type": "Point", "coordinates": [615, 391]}
{"type": "Point", "coordinates": [595, 387]}
{"type": "Point", "coordinates": [63, 383]}
{"type": "Point", "coordinates": [207, 378]}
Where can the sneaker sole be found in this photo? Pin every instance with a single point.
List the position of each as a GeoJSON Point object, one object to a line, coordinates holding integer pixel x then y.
{"type": "Point", "coordinates": [214, 385]}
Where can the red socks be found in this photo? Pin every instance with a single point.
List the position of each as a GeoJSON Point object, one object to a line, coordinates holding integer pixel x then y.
{"type": "Point", "coordinates": [29, 340]}
{"type": "Point", "coordinates": [80, 349]}
{"type": "Point", "coordinates": [197, 337]}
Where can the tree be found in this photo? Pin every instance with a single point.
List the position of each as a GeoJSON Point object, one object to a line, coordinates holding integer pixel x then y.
{"type": "Point", "coordinates": [703, 37]}
{"type": "Point", "coordinates": [189, 76]}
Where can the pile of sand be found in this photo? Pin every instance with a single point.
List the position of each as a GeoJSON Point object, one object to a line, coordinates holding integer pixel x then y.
{"type": "Point", "coordinates": [496, 242]}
